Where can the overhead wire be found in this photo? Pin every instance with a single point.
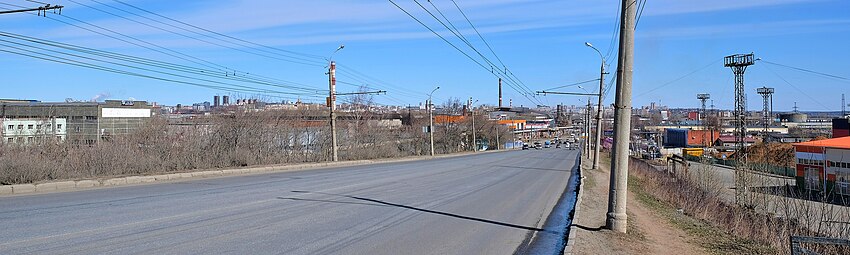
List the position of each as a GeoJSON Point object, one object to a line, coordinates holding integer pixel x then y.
{"type": "Point", "coordinates": [63, 60]}
{"type": "Point", "coordinates": [247, 88]}
{"type": "Point", "coordinates": [574, 84]}
{"type": "Point", "coordinates": [454, 46]}
{"type": "Point", "coordinates": [460, 35]}
{"type": "Point", "coordinates": [147, 62]}
{"type": "Point", "coordinates": [680, 77]}
{"type": "Point", "coordinates": [807, 70]}
{"type": "Point", "coordinates": [796, 88]}
{"type": "Point", "coordinates": [277, 56]}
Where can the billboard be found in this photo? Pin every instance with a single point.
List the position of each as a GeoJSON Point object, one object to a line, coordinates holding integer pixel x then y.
{"type": "Point", "coordinates": [125, 113]}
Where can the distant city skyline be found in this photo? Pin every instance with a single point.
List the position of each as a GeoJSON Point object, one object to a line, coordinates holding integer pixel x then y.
{"type": "Point", "coordinates": [679, 47]}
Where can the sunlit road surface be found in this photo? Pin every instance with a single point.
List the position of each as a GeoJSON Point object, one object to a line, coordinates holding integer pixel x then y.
{"type": "Point", "coordinates": [488, 203]}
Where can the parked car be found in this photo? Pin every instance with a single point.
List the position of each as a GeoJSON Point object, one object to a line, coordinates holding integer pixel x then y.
{"type": "Point", "coordinates": [537, 145]}
{"type": "Point", "coordinates": [525, 146]}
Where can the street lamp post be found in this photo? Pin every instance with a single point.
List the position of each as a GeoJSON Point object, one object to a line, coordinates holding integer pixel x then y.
{"type": "Point", "coordinates": [599, 111]}
{"type": "Point", "coordinates": [332, 101]}
{"type": "Point", "coordinates": [431, 119]}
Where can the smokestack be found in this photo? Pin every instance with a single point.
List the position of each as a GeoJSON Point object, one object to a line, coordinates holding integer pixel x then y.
{"type": "Point", "coordinates": [215, 101]}
{"type": "Point", "coordinates": [225, 100]}
{"type": "Point", "coordinates": [500, 92]}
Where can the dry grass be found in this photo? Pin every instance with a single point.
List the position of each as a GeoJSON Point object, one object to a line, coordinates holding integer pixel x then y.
{"type": "Point", "coordinates": [759, 224]}
{"type": "Point", "coordinates": [221, 141]}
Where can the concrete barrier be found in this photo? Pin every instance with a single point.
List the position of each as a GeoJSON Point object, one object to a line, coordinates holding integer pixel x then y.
{"type": "Point", "coordinates": [82, 184]}
{"type": "Point", "coordinates": [87, 184]}
{"type": "Point", "coordinates": [231, 171]}
{"type": "Point", "coordinates": [115, 182]}
{"type": "Point", "coordinates": [23, 188]}
{"type": "Point", "coordinates": [5, 189]}
{"type": "Point", "coordinates": [133, 179]}
{"type": "Point", "coordinates": [45, 187]}
{"type": "Point", "coordinates": [66, 185]}
{"type": "Point", "coordinates": [146, 179]}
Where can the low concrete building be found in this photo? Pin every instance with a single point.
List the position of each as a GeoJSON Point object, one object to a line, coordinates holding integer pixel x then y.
{"type": "Point", "coordinates": [87, 122]}
{"type": "Point", "coordinates": [24, 131]}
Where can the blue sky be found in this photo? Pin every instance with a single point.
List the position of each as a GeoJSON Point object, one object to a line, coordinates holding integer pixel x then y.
{"type": "Point", "coordinates": [541, 41]}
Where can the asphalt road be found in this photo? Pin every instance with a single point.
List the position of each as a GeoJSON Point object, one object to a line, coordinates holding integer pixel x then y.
{"type": "Point", "coordinates": [489, 203]}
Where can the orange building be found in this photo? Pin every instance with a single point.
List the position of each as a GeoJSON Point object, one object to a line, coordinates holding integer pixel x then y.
{"type": "Point", "coordinates": [513, 124]}
{"type": "Point", "coordinates": [443, 119]}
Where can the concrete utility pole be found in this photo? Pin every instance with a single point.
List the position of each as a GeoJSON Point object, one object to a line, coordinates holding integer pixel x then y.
{"type": "Point", "coordinates": [430, 106]}
{"type": "Point", "coordinates": [616, 218]}
{"type": "Point", "coordinates": [599, 106]}
{"type": "Point", "coordinates": [588, 140]}
{"type": "Point", "coordinates": [332, 102]}
{"type": "Point", "coordinates": [472, 114]}
{"type": "Point", "coordinates": [500, 92]}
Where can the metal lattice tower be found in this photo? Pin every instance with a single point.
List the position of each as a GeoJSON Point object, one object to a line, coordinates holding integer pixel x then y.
{"type": "Point", "coordinates": [739, 63]}
{"type": "Point", "coordinates": [766, 112]}
{"type": "Point", "coordinates": [703, 97]}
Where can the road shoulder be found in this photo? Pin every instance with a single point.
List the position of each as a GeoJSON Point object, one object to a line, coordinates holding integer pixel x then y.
{"type": "Point", "coordinates": [648, 232]}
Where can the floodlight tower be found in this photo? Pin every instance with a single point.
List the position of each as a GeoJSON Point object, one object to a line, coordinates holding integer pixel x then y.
{"type": "Point", "coordinates": [766, 112]}
{"type": "Point", "coordinates": [703, 97]}
{"type": "Point", "coordinates": [739, 63]}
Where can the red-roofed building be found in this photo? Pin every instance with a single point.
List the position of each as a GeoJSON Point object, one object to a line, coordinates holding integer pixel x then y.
{"type": "Point", "coordinates": [824, 165]}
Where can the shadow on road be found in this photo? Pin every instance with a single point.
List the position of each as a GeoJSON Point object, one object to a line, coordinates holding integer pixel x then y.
{"type": "Point", "coordinates": [383, 203]}
{"type": "Point", "coordinates": [589, 228]}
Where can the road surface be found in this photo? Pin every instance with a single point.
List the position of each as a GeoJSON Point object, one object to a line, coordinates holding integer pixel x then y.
{"type": "Point", "coordinates": [488, 203]}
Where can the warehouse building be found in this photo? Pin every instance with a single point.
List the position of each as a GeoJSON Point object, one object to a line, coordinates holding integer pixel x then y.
{"type": "Point", "coordinates": [824, 165]}
{"type": "Point", "coordinates": [86, 122]}
{"type": "Point", "coordinates": [25, 131]}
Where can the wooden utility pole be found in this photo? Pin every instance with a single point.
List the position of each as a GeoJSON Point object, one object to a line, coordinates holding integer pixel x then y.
{"type": "Point", "coordinates": [617, 196]}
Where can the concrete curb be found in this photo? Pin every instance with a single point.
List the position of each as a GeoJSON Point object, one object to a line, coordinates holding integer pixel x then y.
{"type": "Point", "coordinates": [571, 239]}
{"type": "Point", "coordinates": [62, 186]}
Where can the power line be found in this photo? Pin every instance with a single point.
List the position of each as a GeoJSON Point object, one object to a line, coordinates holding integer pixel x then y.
{"type": "Point", "coordinates": [486, 43]}
{"type": "Point", "coordinates": [574, 84]}
{"type": "Point", "coordinates": [798, 89]}
{"type": "Point", "coordinates": [107, 69]}
{"type": "Point", "coordinates": [150, 62]}
{"type": "Point", "coordinates": [641, 6]}
{"type": "Point", "coordinates": [297, 60]}
{"type": "Point", "coordinates": [219, 34]}
{"type": "Point", "coordinates": [807, 70]}
{"type": "Point", "coordinates": [454, 46]}
{"type": "Point", "coordinates": [680, 78]}
{"type": "Point", "coordinates": [463, 39]}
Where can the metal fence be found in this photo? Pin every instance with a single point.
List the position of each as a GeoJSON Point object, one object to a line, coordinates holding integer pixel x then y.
{"type": "Point", "coordinates": [760, 167]}
{"type": "Point", "coordinates": [797, 243]}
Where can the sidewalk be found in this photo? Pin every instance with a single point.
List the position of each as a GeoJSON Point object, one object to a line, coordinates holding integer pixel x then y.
{"type": "Point", "coordinates": [648, 233]}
